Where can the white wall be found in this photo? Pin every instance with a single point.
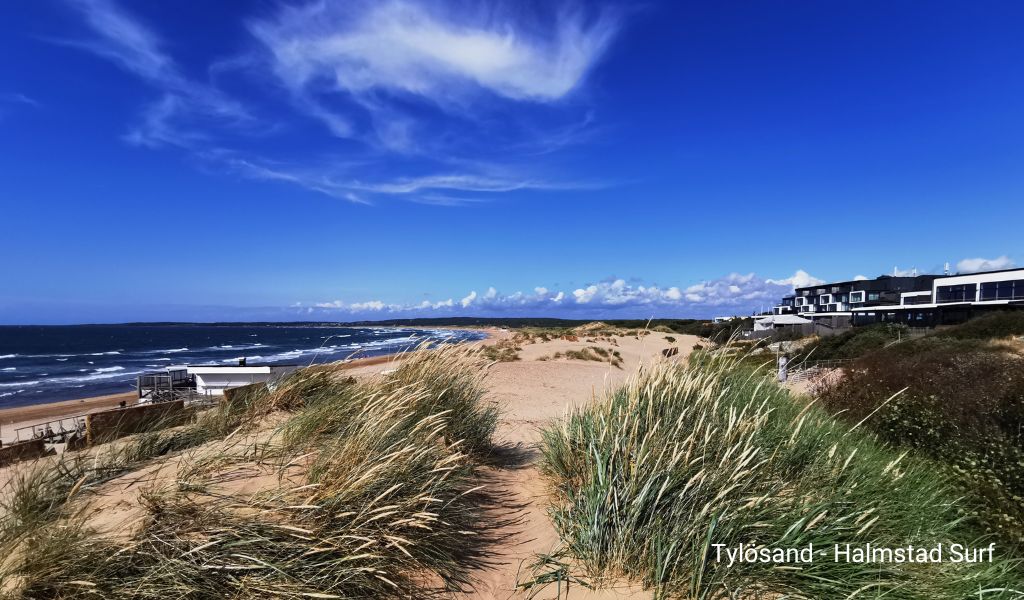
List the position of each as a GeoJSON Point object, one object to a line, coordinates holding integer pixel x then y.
{"type": "Point", "coordinates": [214, 380]}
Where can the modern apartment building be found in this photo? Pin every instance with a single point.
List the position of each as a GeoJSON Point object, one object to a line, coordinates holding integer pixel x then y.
{"type": "Point", "coordinates": [919, 301]}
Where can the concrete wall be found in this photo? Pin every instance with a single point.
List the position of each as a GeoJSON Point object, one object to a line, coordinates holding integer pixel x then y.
{"type": "Point", "coordinates": [19, 451]}
{"type": "Point", "coordinates": [101, 427]}
{"type": "Point", "coordinates": [240, 397]}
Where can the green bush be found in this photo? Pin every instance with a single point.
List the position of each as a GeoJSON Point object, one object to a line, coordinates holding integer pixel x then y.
{"type": "Point", "coordinates": [963, 405]}
{"type": "Point", "coordinates": [855, 343]}
{"type": "Point", "coordinates": [991, 326]}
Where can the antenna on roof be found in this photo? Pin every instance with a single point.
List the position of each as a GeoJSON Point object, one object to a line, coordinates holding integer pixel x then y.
{"type": "Point", "coordinates": [946, 270]}
{"type": "Point", "coordinates": [895, 270]}
{"type": "Point", "coordinates": [914, 274]}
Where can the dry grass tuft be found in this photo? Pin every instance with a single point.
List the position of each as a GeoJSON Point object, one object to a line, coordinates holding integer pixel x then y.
{"type": "Point", "coordinates": [367, 490]}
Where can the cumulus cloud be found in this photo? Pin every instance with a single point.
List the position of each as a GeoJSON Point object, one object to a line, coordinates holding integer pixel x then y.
{"type": "Point", "coordinates": [798, 280]}
{"type": "Point", "coordinates": [734, 293]}
{"type": "Point", "coordinates": [973, 265]}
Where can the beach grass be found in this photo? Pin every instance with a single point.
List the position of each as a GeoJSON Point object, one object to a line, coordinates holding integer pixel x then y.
{"type": "Point", "coordinates": [363, 490]}
{"type": "Point", "coordinates": [688, 460]}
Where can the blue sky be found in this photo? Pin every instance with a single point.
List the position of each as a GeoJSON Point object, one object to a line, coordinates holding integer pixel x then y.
{"type": "Point", "coordinates": [263, 160]}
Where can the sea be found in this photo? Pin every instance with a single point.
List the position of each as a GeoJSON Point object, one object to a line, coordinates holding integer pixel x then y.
{"type": "Point", "coordinates": [40, 364]}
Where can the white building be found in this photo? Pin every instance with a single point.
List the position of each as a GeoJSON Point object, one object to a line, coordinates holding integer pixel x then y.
{"type": "Point", "coordinates": [951, 299]}
{"type": "Point", "coordinates": [778, 322]}
{"type": "Point", "coordinates": [214, 379]}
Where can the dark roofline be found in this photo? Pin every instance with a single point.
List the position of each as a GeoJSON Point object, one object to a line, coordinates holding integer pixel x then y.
{"type": "Point", "coordinates": [880, 277]}
{"type": "Point", "coordinates": [923, 275]}
{"type": "Point", "coordinates": [982, 272]}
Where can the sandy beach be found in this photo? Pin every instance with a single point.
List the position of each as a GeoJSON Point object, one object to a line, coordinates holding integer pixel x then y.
{"type": "Point", "coordinates": [532, 391]}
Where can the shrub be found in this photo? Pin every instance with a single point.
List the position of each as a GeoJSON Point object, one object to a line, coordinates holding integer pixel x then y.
{"type": "Point", "coordinates": [963, 405]}
{"type": "Point", "coordinates": [688, 456]}
{"type": "Point", "coordinates": [503, 351]}
{"type": "Point", "coordinates": [990, 326]}
{"type": "Point", "coordinates": [856, 342]}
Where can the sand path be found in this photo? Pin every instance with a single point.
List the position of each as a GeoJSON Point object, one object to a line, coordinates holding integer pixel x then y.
{"type": "Point", "coordinates": [533, 394]}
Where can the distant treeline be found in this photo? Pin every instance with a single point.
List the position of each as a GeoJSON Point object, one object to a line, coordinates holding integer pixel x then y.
{"type": "Point", "coordinates": [701, 327]}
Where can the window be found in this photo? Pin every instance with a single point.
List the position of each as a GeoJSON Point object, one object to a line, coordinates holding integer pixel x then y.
{"type": "Point", "coordinates": [957, 293]}
{"type": "Point", "coordinates": [856, 296]}
{"type": "Point", "coordinates": [873, 296]}
{"type": "Point", "coordinates": [1003, 290]}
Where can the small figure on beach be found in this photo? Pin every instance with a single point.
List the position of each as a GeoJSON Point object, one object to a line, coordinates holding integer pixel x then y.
{"type": "Point", "coordinates": [783, 361]}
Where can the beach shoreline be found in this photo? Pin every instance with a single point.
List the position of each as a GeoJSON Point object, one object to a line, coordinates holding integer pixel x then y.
{"type": "Point", "coordinates": [16, 417]}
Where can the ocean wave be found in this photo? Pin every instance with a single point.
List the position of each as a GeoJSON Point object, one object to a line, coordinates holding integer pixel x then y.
{"type": "Point", "coordinates": [3, 356]}
{"type": "Point", "coordinates": [65, 356]}
{"type": "Point", "coordinates": [6, 394]}
{"type": "Point", "coordinates": [60, 381]}
{"type": "Point", "coordinates": [109, 369]}
{"type": "Point", "coordinates": [18, 383]}
{"type": "Point", "coordinates": [10, 369]}
{"type": "Point", "coordinates": [232, 347]}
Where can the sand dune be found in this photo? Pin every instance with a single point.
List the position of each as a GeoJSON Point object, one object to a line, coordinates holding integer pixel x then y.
{"type": "Point", "coordinates": [532, 391]}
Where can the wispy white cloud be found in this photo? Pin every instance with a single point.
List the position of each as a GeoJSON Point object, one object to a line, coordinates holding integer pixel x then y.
{"type": "Point", "coordinates": [338, 180]}
{"type": "Point", "coordinates": [354, 67]}
{"type": "Point", "coordinates": [370, 52]}
{"type": "Point", "coordinates": [186, 106]}
{"type": "Point", "coordinates": [973, 265]}
{"type": "Point", "coordinates": [18, 98]}
{"type": "Point", "coordinates": [9, 101]}
{"type": "Point", "coordinates": [733, 293]}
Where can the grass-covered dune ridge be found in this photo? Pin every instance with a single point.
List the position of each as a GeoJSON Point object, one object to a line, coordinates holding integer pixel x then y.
{"type": "Point", "coordinates": [364, 490]}
{"type": "Point", "coordinates": [686, 456]}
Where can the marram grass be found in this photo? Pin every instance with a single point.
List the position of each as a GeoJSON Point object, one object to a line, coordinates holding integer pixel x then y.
{"type": "Point", "coordinates": [369, 490]}
{"type": "Point", "coordinates": [686, 456]}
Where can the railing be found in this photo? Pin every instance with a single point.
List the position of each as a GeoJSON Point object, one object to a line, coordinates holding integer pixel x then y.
{"type": "Point", "coordinates": [52, 431]}
{"type": "Point", "coordinates": [812, 368]}
{"type": "Point", "coordinates": [59, 430]}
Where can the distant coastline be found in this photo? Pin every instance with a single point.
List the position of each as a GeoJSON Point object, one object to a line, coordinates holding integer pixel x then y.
{"type": "Point", "coordinates": [44, 364]}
